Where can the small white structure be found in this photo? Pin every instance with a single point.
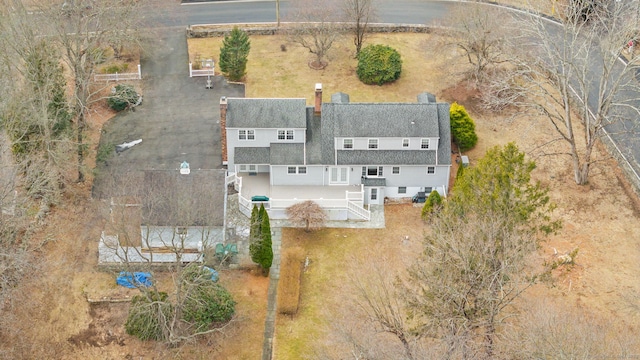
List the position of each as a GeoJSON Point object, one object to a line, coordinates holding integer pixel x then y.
{"type": "Point", "coordinates": [184, 168]}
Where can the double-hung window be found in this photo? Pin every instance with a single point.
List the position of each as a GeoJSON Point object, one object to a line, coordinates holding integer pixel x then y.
{"type": "Point", "coordinates": [373, 143]}
{"type": "Point", "coordinates": [246, 134]}
{"type": "Point", "coordinates": [347, 143]}
{"type": "Point", "coordinates": [395, 170]}
{"type": "Point", "coordinates": [431, 170]}
{"type": "Point", "coordinates": [301, 170]}
{"type": "Point", "coordinates": [424, 144]}
{"type": "Point", "coordinates": [405, 143]}
{"type": "Point", "coordinates": [285, 134]}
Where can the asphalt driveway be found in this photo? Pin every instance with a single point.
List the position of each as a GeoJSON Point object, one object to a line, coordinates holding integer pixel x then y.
{"type": "Point", "coordinates": [178, 119]}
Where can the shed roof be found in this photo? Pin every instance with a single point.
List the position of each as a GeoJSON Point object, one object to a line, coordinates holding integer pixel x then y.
{"type": "Point", "coordinates": [173, 199]}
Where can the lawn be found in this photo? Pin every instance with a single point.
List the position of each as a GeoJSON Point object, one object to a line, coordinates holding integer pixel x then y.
{"type": "Point", "coordinates": [600, 219]}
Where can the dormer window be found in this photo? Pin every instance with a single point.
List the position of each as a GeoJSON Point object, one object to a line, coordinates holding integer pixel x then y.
{"type": "Point", "coordinates": [347, 143]}
{"type": "Point", "coordinates": [373, 143]}
{"type": "Point", "coordinates": [405, 143]}
{"type": "Point", "coordinates": [424, 144]}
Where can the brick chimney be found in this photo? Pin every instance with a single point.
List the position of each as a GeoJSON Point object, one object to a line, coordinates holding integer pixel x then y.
{"type": "Point", "coordinates": [318, 104]}
{"type": "Point", "coordinates": [223, 129]}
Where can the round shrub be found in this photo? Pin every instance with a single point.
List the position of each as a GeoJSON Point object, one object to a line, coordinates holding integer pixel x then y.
{"type": "Point", "coordinates": [148, 316]}
{"type": "Point", "coordinates": [378, 64]}
{"type": "Point", "coordinates": [123, 96]}
{"type": "Point", "coordinates": [463, 129]}
{"type": "Point", "coordinates": [210, 303]}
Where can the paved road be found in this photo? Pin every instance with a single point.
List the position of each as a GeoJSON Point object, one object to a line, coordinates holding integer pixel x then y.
{"type": "Point", "coordinates": [227, 12]}
{"type": "Point", "coordinates": [178, 120]}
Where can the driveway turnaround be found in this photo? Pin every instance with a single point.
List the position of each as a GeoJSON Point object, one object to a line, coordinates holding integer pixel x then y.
{"type": "Point", "coordinates": [178, 119]}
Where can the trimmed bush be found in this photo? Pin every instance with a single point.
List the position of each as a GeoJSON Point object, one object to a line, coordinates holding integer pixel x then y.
{"type": "Point", "coordinates": [209, 304]}
{"type": "Point", "coordinates": [463, 129]}
{"type": "Point", "coordinates": [124, 96]}
{"type": "Point", "coordinates": [148, 316]}
{"type": "Point", "coordinates": [290, 280]}
{"type": "Point", "coordinates": [433, 202]}
{"type": "Point", "coordinates": [378, 64]}
{"type": "Point", "coordinates": [115, 68]}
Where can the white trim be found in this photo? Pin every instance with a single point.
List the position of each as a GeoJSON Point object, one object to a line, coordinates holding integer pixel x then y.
{"type": "Point", "coordinates": [246, 131]}
{"type": "Point", "coordinates": [431, 167]}
{"type": "Point", "coordinates": [408, 143]}
{"type": "Point", "coordinates": [369, 143]}
{"type": "Point", "coordinates": [344, 147]}
{"type": "Point", "coordinates": [428, 141]}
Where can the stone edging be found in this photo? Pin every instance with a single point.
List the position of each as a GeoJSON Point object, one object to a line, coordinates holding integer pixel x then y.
{"type": "Point", "coordinates": [217, 30]}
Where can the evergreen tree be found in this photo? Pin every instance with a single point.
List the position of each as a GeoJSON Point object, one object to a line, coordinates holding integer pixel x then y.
{"type": "Point", "coordinates": [254, 232]}
{"type": "Point", "coordinates": [433, 202]}
{"type": "Point", "coordinates": [265, 253]}
{"type": "Point", "coordinates": [463, 129]}
{"type": "Point", "coordinates": [233, 54]}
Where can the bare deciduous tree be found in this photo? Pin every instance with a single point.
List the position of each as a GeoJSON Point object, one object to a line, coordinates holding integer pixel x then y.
{"type": "Point", "coordinates": [316, 29]}
{"type": "Point", "coordinates": [553, 330]}
{"type": "Point", "coordinates": [82, 29]}
{"type": "Point", "coordinates": [169, 218]}
{"type": "Point", "coordinates": [308, 214]}
{"type": "Point", "coordinates": [572, 74]}
{"type": "Point", "coordinates": [475, 261]}
{"type": "Point", "coordinates": [479, 31]}
{"type": "Point", "coordinates": [359, 13]}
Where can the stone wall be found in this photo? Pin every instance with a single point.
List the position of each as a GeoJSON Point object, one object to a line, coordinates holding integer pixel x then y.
{"type": "Point", "coordinates": [204, 31]}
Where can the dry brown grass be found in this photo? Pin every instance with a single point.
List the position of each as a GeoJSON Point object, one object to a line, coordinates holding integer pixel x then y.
{"type": "Point", "coordinates": [274, 73]}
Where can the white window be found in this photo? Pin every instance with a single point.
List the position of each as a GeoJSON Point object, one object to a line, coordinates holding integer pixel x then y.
{"type": "Point", "coordinates": [373, 143]}
{"type": "Point", "coordinates": [347, 143]}
{"type": "Point", "coordinates": [402, 190]}
{"type": "Point", "coordinates": [374, 194]}
{"type": "Point", "coordinates": [405, 143]}
{"type": "Point", "coordinates": [246, 134]}
{"type": "Point", "coordinates": [431, 170]}
{"type": "Point", "coordinates": [424, 144]}
{"type": "Point", "coordinates": [285, 134]}
{"type": "Point", "coordinates": [395, 170]}
{"type": "Point", "coordinates": [296, 170]}
{"type": "Point", "coordinates": [245, 168]}
{"type": "Point", "coordinates": [372, 171]}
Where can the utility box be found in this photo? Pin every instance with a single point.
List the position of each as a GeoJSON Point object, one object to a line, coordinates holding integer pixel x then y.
{"type": "Point", "coordinates": [464, 159]}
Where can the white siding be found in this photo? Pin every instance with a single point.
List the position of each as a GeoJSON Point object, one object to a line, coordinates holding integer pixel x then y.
{"type": "Point", "coordinates": [387, 143]}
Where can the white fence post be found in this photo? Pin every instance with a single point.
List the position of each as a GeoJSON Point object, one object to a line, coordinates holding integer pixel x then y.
{"type": "Point", "coordinates": [190, 70]}
{"type": "Point", "coordinates": [139, 72]}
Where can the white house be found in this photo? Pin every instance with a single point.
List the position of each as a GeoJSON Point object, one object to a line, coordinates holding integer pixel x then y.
{"type": "Point", "coordinates": [341, 154]}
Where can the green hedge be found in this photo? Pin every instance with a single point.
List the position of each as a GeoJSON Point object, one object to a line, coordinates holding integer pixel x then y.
{"type": "Point", "coordinates": [378, 64]}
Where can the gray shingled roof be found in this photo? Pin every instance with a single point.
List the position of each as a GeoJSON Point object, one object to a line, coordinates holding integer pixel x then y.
{"type": "Point", "coordinates": [252, 155]}
{"type": "Point", "coordinates": [287, 154]}
{"type": "Point", "coordinates": [385, 120]}
{"type": "Point", "coordinates": [266, 113]}
{"type": "Point", "coordinates": [444, 149]}
{"type": "Point", "coordinates": [387, 157]}
{"type": "Point", "coordinates": [172, 199]}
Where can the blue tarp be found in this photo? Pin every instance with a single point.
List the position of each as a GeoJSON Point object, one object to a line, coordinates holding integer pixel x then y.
{"type": "Point", "coordinates": [214, 274]}
{"type": "Point", "coordinates": [132, 281]}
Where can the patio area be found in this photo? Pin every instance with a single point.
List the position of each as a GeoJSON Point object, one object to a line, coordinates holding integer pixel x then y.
{"type": "Point", "coordinates": [341, 202]}
{"type": "Point", "coordinates": [256, 185]}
